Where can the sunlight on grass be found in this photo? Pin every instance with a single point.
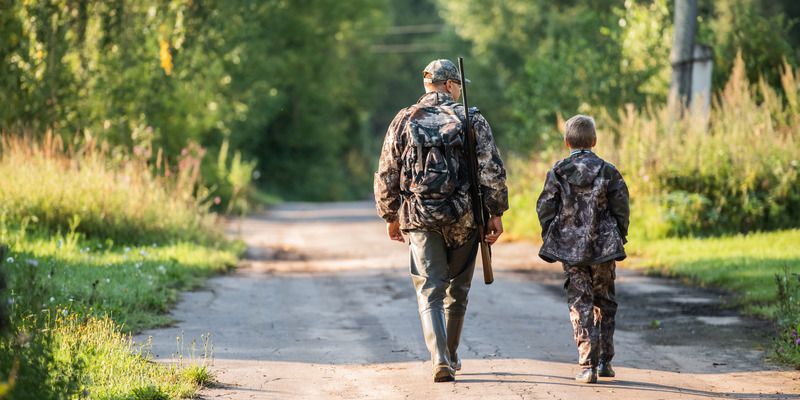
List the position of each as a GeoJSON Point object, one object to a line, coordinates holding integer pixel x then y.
{"type": "Point", "coordinates": [743, 264]}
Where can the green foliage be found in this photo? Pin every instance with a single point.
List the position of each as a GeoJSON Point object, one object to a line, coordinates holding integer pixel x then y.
{"type": "Point", "coordinates": [102, 192]}
{"type": "Point", "coordinates": [302, 74]}
{"type": "Point", "coordinates": [553, 58]}
{"type": "Point", "coordinates": [230, 181]}
{"type": "Point", "coordinates": [545, 59]}
{"type": "Point", "coordinates": [199, 374]}
{"type": "Point", "coordinates": [736, 171]}
{"type": "Point", "coordinates": [525, 182]}
{"type": "Point", "coordinates": [759, 29]}
{"type": "Point", "coordinates": [788, 341]}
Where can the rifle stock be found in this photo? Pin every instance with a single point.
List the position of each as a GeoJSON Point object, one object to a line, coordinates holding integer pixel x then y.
{"type": "Point", "coordinates": [478, 208]}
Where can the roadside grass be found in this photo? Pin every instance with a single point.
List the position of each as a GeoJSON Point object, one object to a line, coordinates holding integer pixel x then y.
{"type": "Point", "coordinates": [134, 286]}
{"type": "Point", "coordinates": [747, 265]}
{"type": "Point", "coordinates": [81, 298]}
{"type": "Point", "coordinates": [97, 243]}
{"type": "Point", "coordinates": [743, 264]}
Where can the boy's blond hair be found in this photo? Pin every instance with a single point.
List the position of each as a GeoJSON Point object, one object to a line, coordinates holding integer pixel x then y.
{"type": "Point", "coordinates": [580, 132]}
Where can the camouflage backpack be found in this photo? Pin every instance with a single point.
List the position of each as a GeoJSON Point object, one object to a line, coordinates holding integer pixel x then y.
{"type": "Point", "coordinates": [433, 176]}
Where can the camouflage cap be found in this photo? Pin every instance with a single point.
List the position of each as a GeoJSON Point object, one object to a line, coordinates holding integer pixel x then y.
{"type": "Point", "coordinates": [442, 70]}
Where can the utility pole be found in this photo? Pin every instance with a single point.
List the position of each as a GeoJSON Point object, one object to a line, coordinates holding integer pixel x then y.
{"type": "Point", "coordinates": [682, 54]}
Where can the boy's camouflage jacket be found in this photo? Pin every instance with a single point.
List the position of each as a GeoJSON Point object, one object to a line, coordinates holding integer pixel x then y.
{"type": "Point", "coordinates": [492, 173]}
{"type": "Point", "coordinates": [583, 210]}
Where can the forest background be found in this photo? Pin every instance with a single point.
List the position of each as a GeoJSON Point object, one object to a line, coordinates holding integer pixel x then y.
{"type": "Point", "coordinates": [305, 89]}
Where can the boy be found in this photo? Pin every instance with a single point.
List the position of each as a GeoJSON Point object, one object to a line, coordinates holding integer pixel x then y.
{"type": "Point", "coordinates": [583, 210]}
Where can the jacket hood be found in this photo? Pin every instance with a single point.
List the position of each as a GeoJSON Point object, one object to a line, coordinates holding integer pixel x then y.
{"type": "Point", "coordinates": [580, 169]}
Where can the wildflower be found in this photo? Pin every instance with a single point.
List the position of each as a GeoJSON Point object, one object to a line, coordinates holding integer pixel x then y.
{"type": "Point", "coordinates": [162, 269]}
{"type": "Point", "coordinates": [71, 299]}
{"type": "Point", "coordinates": [59, 243]}
{"type": "Point", "coordinates": [217, 200]}
{"type": "Point", "coordinates": [127, 249]}
{"type": "Point", "coordinates": [154, 244]}
{"type": "Point", "coordinates": [64, 312]}
{"type": "Point", "coordinates": [11, 301]}
{"type": "Point", "coordinates": [142, 253]}
{"type": "Point", "coordinates": [52, 299]}
{"type": "Point", "coordinates": [32, 262]}
{"type": "Point", "coordinates": [85, 393]}
{"type": "Point", "coordinates": [99, 245]}
{"type": "Point", "coordinates": [10, 260]}
{"type": "Point", "coordinates": [108, 280]}
{"type": "Point", "coordinates": [797, 342]}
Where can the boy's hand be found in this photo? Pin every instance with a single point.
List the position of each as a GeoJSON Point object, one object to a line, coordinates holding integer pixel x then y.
{"type": "Point", "coordinates": [393, 229]}
{"type": "Point", "coordinates": [494, 228]}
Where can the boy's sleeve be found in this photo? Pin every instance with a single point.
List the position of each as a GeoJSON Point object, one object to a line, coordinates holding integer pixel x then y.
{"type": "Point", "coordinates": [618, 203]}
{"type": "Point", "coordinates": [492, 173]}
{"type": "Point", "coordinates": [387, 179]}
{"type": "Point", "coordinates": [549, 202]}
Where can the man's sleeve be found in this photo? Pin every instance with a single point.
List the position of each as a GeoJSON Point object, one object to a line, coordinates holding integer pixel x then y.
{"type": "Point", "coordinates": [549, 202]}
{"type": "Point", "coordinates": [387, 178]}
{"type": "Point", "coordinates": [492, 176]}
{"type": "Point", "coordinates": [618, 203]}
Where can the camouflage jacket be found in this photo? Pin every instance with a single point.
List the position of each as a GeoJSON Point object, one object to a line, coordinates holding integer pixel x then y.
{"type": "Point", "coordinates": [583, 210]}
{"type": "Point", "coordinates": [389, 198]}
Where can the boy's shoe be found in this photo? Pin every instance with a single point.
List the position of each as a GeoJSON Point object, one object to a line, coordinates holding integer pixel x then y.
{"type": "Point", "coordinates": [587, 375]}
{"type": "Point", "coordinates": [604, 370]}
{"type": "Point", "coordinates": [456, 363]}
{"type": "Point", "coordinates": [444, 374]}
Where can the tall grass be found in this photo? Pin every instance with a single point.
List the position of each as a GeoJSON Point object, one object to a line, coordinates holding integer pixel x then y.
{"type": "Point", "coordinates": [103, 192]}
{"type": "Point", "coordinates": [735, 169]}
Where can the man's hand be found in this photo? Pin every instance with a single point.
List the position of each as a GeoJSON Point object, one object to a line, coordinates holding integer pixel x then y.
{"type": "Point", "coordinates": [393, 229]}
{"type": "Point", "coordinates": [494, 228]}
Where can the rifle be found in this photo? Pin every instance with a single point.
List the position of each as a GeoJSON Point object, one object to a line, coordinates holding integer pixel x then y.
{"type": "Point", "coordinates": [478, 208]}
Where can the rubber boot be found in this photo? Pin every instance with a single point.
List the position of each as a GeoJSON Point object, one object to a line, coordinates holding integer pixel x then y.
{"type": "Point", "coordinates": [454, 326]}
{"type": "Point", "coordinates": [435, 332]}
{"type": "Point", "coordinates": [604, 369]}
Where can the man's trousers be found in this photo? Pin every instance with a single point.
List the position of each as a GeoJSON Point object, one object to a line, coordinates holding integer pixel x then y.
{"type": "Point", "coordinates": [442, 278]}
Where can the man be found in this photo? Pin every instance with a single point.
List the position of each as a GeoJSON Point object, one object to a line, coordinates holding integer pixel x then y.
{"type": "Point", "coordinates": [422, 191]}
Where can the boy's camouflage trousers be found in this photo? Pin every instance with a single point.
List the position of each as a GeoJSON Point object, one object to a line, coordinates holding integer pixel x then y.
{"type": "Point", "coordinates": [592, 308]}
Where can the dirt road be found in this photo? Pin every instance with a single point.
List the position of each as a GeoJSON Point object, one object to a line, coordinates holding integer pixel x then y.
{"type": "Point", "coordinates": [326, 310]}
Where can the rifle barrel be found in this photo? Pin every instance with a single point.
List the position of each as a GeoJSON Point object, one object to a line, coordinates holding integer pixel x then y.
{"type": "Point", "coordinates": [478, 208]}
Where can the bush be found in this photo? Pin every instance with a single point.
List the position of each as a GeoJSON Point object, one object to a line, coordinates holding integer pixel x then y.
{"type": "Point", "coordinates": [230, 182]}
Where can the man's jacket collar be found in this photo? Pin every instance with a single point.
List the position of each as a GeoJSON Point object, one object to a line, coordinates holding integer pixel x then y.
{"type": "Point", "coordinates": [434, 98]}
